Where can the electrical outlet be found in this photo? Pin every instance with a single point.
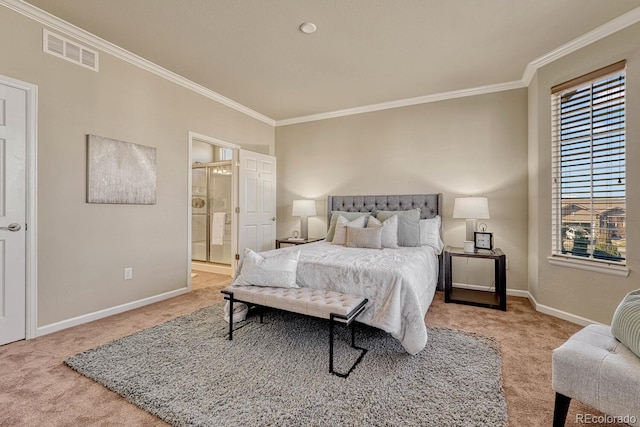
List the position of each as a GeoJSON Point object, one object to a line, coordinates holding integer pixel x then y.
{"type": "Point", "coordinates": [507, 264]}
{"type": "Point", "coordinates": [128, 273]}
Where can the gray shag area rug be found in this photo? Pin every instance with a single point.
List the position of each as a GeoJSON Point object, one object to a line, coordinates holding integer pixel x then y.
{"type": "Point", "coordinates": [187, 373]}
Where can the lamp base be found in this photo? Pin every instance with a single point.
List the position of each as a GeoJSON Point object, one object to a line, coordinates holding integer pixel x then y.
{"type": "Point", "coordinates": [304, 227]}
{"type": "Point", "coordinates": [471, 228]}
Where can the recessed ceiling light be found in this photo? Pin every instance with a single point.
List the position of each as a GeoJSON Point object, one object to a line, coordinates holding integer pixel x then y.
{"type": "Point", "coordinates": [308, 28]}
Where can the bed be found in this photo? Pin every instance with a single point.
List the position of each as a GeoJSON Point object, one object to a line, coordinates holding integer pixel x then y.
{"type": "Point", "coordinates": [430, 206]}
{"type": "Point", "coordinates": [399, 283]}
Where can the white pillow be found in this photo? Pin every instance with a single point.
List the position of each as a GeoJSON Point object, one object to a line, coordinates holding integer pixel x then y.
{"type": "Point", "coordinates": [389, 230]}
{"type": "Point", "coordinates": [430, 233]}
{"type": "Point", "coordinates": [340, 236]}
{"type": "Point", "coordinates": [370, 237]}
{"type": "Point", "coordinates": [278, 271]}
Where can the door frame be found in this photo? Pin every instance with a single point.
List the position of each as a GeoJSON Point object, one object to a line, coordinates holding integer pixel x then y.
{"type": "Point", "coordinates": [234, 195]}
{"type": "Point", "coordinates": [31, 255]}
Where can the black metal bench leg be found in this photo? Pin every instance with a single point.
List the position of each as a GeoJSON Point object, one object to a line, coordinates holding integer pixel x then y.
{"type": "Point", "coordinates": [560, 410]}
{"type": "Point", "coordinates": [230, 317]}
{"type": "Point", "coordinates": [363, 351]}
{"type": "Point", "coordinates": [331, 345]}
{"type": "Point", "coordinates": [353, 335]}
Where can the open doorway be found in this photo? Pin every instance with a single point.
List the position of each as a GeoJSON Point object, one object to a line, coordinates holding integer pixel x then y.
{"type": "Point", "coordinates": [211, 206]}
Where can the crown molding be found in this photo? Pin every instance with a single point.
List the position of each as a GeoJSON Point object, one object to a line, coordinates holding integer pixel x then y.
{"type": "Point", "coordinates": [605, 30]}
{"type": "Point", "coordinates": [611, 27]}
{"type": "Point", "coordinates": [94, 41]}
{"type": "Point", "coordinates": [482, 90]}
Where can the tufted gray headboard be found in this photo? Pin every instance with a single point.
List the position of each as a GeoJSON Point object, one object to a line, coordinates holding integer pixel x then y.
{"type": "Point", "coordinates": [430, 205]}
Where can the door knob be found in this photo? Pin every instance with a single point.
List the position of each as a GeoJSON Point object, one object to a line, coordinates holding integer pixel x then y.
{"type": "Point", "coordinates": [273, 219]}
{"type": "Point", "coordinates": [12, 227]}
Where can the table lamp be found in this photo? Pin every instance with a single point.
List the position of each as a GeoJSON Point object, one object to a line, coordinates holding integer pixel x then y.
{"type": "Point", "coordinates": [304, 209]}
{"type": "Point", "coordinates": [472, 209]}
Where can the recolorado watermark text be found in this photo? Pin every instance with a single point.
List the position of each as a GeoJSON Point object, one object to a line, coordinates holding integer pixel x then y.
{"type": "Point", "coordinates": [605, 419]}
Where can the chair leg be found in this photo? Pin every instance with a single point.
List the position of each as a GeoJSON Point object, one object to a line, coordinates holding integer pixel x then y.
{"type": "Point", "coordinates": [560, 410]}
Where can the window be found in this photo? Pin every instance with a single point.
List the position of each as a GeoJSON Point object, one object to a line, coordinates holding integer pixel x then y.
{"type": "Point", "coordinates": [226, 153]}
{"type": "Point", "coordinates": [588, 163]}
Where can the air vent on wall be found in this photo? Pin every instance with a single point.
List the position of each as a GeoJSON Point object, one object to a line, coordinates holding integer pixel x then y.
{"type": "Point", "coordinates": [71, 51]}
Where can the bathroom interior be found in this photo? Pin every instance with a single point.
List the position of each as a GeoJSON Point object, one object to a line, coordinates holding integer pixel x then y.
{"type": "Point", "coordinates": [211, 208]}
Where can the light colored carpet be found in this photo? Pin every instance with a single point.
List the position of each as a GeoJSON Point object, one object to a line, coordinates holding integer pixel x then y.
{"type": "Point", "coordinates": [187, 373]}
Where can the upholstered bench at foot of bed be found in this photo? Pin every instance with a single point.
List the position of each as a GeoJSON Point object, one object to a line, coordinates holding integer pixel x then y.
{"type": "Point", "coordinates": [331, 305]}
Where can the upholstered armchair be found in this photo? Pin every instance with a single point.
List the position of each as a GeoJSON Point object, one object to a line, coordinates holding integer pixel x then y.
{"type": "Point", "coordinates": [600, 367]}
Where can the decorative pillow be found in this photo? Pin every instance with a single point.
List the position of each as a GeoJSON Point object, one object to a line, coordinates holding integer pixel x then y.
{"type": "Point", "coordinates": [278, 271]}
{"type": "Point", "coordinates": [625, 325]}
{"type": "Point", "coordinates": [389, 230]}
{"type": "Point", "coordinates": [348, 215]}
{"type": "Point", "coordinates": [340, 236]}
{"type": "Point", "coordinates": [408, 225]}
{"type": "Point", "coordinates": [430, 233]}
{"type": "Point", "coordinates": [370, 237]}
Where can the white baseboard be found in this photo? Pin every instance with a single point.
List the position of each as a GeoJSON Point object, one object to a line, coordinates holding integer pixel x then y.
{"type": "Point", "coordinates": [583, 321]}
{"type": "Point", "coordinates": [579, 320]}
{"type": "Point", "coordinates": [90, 317]}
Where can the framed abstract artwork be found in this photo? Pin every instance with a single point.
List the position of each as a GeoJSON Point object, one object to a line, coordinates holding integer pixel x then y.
{"type": "Point", "coordinates": [120, 172]}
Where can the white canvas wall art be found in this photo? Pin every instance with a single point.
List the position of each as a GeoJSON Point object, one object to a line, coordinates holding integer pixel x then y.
{"type": "Point", "coordinates": [120, 172]}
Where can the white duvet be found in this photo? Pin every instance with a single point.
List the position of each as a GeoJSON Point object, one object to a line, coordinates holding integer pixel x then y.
{"type": "Point", "coordinates": [399, 283]}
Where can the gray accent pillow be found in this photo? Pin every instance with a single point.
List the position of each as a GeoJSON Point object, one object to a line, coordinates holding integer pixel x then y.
{"type": "Point", "coordinates": [408, 225]}
{"type": "Point", "coordinates": [625, 325]}
{"type": "Point", "coordinates": [364, 237]}
{"type": "Point", "coordinates": [389, 230]}
{"type": "Point", "coordinates": [348, 215]}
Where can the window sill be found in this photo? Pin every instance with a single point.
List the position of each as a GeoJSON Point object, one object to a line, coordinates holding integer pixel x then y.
{"type": "Point", "coordinates": [595, 266]}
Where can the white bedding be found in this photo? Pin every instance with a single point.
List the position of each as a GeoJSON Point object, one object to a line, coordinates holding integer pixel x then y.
{"type": "Point", "coordinates": [399, 283]}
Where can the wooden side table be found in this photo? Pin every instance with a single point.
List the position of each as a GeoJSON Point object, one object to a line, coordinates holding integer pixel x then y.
{"type": "Point", "coordinates": [286, 241]}
{"type": "Point", "coordinates": [497, 299]}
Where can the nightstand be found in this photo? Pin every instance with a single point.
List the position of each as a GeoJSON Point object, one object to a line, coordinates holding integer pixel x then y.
{"type": "Point", "coordinates": [497, 299]}
{"type": "Point", "coordinates": [286, 241]}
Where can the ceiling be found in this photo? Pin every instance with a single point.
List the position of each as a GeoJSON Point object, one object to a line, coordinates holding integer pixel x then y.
{"type": "Point", "coordinates": [364, 51]}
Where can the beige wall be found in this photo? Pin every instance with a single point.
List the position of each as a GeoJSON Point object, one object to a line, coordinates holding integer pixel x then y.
{"type": "Point", "coordinates": [83, 248]}
{"type": "Point", "coordinates": [469, 146]}
{"type": "Point", "coordinates": [587, 294]}
{"type": "Point", "coordinates": [534, 195]}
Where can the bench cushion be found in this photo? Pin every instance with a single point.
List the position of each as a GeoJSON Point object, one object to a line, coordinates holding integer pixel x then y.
{"type": "Point", "coordinates": [311, 302]}
{"type": "Point", "coordinates": [595, 368]}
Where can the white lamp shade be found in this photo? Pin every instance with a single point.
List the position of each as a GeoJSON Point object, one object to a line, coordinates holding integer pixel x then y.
{"type": "Point", "coordinates": [304, 208]}
{"type": "Point", "coordinates": [471, 208]}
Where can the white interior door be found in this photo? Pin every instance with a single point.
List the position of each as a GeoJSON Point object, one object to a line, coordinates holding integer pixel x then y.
{"type": "Point", "coordinates": [257, 202]}
{"type": "Point", "coordinates": [13, 149]}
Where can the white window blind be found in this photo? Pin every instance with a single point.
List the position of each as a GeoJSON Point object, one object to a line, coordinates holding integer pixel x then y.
{"type": "Point", "coordinates": [588, 167]}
